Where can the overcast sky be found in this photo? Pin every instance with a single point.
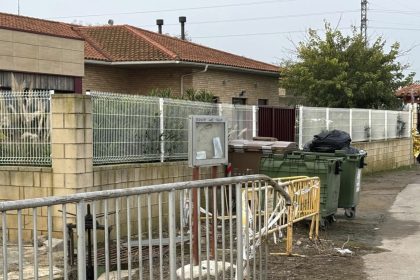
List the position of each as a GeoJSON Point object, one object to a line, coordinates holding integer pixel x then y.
{"type": "Point", "coordinates": [265, 30]}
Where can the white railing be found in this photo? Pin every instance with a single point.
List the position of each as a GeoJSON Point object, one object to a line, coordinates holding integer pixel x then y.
{"type": "Point", "coordinates": [134, 128]}
{"type": "Point", "coordinates": [25, 128]}
{"type": "Point", "coordinates": [361, 124]}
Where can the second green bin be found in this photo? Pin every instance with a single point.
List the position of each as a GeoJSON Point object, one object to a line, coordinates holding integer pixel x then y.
{"type": "Point", "coordinates": [328, 170]}
{"type": "Point", "coordinates": [350, 177]}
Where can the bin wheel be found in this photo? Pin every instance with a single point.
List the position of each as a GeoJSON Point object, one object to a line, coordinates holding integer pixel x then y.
{"type": "Point", "coordinates": [323, 223]}
{"type": "Point", "coordinates": [350, 212]}
{"type": "Point", "coordinates": [331, 219]}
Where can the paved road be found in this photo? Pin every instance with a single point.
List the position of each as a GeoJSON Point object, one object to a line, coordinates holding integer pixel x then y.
{"type": "Point", "coordinates": [400, 234]}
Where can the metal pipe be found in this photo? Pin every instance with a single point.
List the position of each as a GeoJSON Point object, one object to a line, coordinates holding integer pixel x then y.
{"type": "Point", "coordinates": [182, 20]}
{"type": "Point", "coordinates": [159, 23]}
{"type": "Point", "coordinates": [239, 233]}
{"type": "Point", "coordinates": [172, 236]}
{"type": "Point", "coordinates": [107, 194]}
{"type": "Point", "coordinates": [189, 74]}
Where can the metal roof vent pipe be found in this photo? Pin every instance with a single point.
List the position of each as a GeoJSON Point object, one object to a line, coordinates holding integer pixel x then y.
{"type": "Point", "coordinates": [183, 20]}
{"type": "Point", "coordinates": [159, 23]}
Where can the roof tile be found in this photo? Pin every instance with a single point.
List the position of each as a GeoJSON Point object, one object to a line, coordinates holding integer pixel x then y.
{"type": "Point", "coordinates": [40, 26]}
{"type": "Point", "coordinates": [127, 43]}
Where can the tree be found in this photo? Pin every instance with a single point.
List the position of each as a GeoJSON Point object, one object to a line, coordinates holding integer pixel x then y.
{"type": "Point", "coordinates": [342, 71]}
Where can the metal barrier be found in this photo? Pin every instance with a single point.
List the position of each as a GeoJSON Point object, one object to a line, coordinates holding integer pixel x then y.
{"type": "Point", "coordinates": [25, 128]}
{"type": "Point", "coordinates": [264, 202]}
{"type": "Point", "coordinates": [145, 230]}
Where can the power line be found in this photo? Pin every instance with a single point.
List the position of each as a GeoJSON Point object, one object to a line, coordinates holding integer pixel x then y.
{"type": "Point", "coordinates": [259, 33]}
{"type": "Point", "coordinates": [177, 10]}
{"type": "Point", "coordinates": [396, 28]}
{"type": "Point", "coordinates": [408, 13]}
{"type": "Point", "coordinates": [263, 18]}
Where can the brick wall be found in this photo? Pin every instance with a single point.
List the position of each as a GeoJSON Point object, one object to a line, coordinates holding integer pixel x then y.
{"type": "Point", "coordinates": [227, 84]}
{"type": "Point", "coordinates": [224, 84]}
{"type": "Point", "coordinates": [386, 155]}
{"type": "Point", "coordinates": [36, 53]}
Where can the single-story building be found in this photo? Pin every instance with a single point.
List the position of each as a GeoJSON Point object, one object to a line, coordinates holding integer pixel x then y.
{"type": "Point", "coordinates": [42, 54]}
{"type": "Point", "coordinates": [409, 94]}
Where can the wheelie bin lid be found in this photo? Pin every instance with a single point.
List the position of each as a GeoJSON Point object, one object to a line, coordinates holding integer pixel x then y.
{"type": "Point", "coordinates": [267, 147]}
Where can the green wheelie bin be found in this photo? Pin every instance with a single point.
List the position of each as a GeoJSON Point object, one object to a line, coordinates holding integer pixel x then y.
{"type": "Point", "coordinates": [350, 178]}
{"type": "Point", "coordinates": [327, 169]}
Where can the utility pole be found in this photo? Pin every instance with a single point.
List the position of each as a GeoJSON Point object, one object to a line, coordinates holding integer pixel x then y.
{"type": "Point", "coordinates": [363, 20]}
{"type": "Point", "coordinates": [18, 7]}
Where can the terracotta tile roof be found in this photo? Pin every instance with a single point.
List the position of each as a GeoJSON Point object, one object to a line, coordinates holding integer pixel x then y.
{"type": "Point", "coordinates": [407, 90]}
{"type": "Point", "coordinates": [142, 45]}
{"type": "Point", "coordinates": [39, 26]}
{"type": "Point", "coordinates": [128, 43]}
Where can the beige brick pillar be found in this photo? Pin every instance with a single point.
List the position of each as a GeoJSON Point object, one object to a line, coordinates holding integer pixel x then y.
{"type": "Point", "coordinates": [71, 143]}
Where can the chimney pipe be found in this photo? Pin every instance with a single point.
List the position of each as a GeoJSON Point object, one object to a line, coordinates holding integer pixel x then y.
{"type": "Point", "coordinates": [183, 20]}
{"type": "Point", "coordinates": [159, 23]}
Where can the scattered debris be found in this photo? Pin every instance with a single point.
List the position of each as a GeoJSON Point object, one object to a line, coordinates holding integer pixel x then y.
{"type": "Point", "coordinates": [344, 252]}
{"type": "Point", "coordinates": [57, 245]}
{"type": "Point", "coordinates": [28, 273]}
{"type": "Point", "coordinates": [211, 271]}
{"type": "Point", "coordinates": [113, 275]}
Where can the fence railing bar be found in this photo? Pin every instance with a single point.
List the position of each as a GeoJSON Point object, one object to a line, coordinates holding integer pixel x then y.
{"type": "Point", "coordinates": [108, 194]}
{"type": "Point", "coordinates": [190, 229]}
{"type": "Point", "coordinates": [230, 186]}
{"type": "Point", "coordinates": [239, 234]}
{"type": "Point", "coordinates": [118, 232]}
{"type": "Point", "coordinates": [149, 220]}
{"type": "Point", "coordinates": [160, 235]}
{"type": "Point", "coordinates": [95, 242]}
{"type": "Point", "coordinates": [172, 236]}
{"type": "Point", "coordinates": [181, 230]}
{"type": "Point", "coordinates": [81, 242]}
{"type": "Point", "coordinates": [4, 243]}
{"type": "Point", "coordinates": [35, 241]}
{"type": "Point", "coordinates": [140, 236]}
{"type": "Point", "coordinates": [107, 237]}
{"type": "Point", "coordinates": [199, 233]}
{"type": "Point", "coordinates": [20, 243]}
{"type": "Point", "coordinates": [129, 253]}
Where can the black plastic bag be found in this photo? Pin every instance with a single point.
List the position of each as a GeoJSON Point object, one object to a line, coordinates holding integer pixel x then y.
{"type": "Point", "coordinates": [330, 141]}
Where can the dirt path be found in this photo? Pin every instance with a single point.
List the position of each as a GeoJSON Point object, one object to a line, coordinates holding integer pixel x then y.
{"type": "Point", "coordinates": [363, 235]}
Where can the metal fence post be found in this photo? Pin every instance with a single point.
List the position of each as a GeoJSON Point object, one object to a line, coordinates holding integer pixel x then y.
{"type": "Point", "coordinates": [411, 117]}
{"type": "Point", "coordinates": [254, 121]}
{"type": "Point", "coordinates": [172, 236]}
{"type": "Point", "coordinates": [162, 130]}
{"type": "Point", "coordinates": [327, 118]}
{"type": "Point", "coordinates": [370, 125]}
{"type": "Point", "coordinates": [300, 122]}
{"type": "Point", "coordinates": [220, 107]}
{"type": "Point", "coordinates": [81, 244]}
{"type": "Point", "coordinates": [386, 125]}
{"type": "Point", "coordinates": [351, 123]}
{"type": "Point", "coordinates": [239, 233]}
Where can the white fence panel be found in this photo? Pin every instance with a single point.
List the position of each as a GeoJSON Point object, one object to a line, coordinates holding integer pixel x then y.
{"type": "Point", "coordinates": [361, 124]}
{"type": "Point", "coordinates": [378, 125]}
